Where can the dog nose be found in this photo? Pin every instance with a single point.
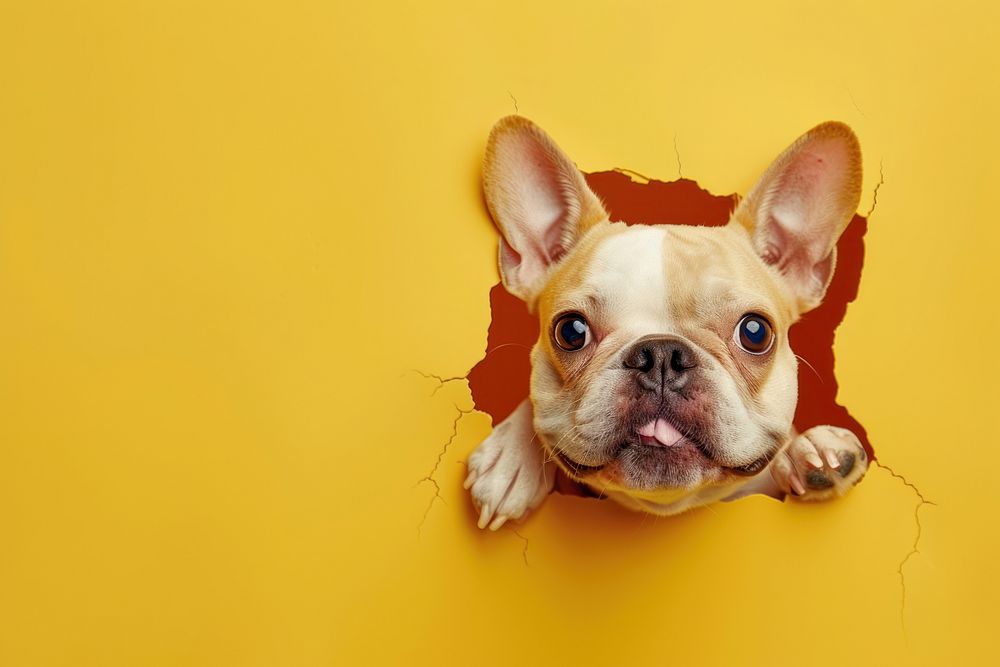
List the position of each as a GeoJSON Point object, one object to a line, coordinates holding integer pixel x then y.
{"type": "Point", "coordinates": [660, 363]}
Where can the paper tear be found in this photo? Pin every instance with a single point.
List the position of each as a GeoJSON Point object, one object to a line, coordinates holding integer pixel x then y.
{"type": "Point", "coordinates": [500, 380]}
{"type": "Point", "coordinates": [633, 175]}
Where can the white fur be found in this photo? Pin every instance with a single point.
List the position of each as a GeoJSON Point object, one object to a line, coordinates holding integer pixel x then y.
{"type": "Point", "coordinates": [507, 473]}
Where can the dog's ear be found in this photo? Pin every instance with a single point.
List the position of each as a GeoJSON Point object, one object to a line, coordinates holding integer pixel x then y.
{"type": "Point", "coordinates": [539, 200]}
{"type": "Point", "coordinates": [801, 205]}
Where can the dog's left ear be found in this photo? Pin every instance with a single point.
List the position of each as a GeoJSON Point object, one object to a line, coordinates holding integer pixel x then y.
{"type": "Point", "coordinates": [801, 205]}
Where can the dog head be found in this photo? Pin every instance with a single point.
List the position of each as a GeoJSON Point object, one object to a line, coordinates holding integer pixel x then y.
{"type": "Point", "coordinates": [663, 367]}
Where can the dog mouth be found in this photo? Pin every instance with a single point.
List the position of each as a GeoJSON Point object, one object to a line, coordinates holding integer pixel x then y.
{"type": "Point", "coordinates": [666, 433]}
{"type": "Point", "coordinates": [663, 434]}
{"type": "Point", "coordinates": [657, 436]}
{"type": "Point", "coordinates": [659, 433]}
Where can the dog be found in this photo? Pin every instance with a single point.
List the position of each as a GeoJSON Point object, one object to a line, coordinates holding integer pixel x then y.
{"type": "Point", "coordinates": [662, 377]}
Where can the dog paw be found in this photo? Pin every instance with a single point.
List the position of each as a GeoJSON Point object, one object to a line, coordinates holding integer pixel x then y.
{"type": "Point", "coordinates": [823, 462]}
{"type": "Point", "coordinates": [508, 475]}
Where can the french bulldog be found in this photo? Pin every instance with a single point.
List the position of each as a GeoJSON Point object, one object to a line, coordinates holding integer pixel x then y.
{"type": "Point", "coordinates": [662, 377]}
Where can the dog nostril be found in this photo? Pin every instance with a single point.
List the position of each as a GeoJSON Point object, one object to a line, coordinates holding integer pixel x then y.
{"type": "Point", "coordinates": [680, 361]}
{"type": "Point", "coordinates": [642, 360]}
{"type": "Point", "coordinates": [647, 360]}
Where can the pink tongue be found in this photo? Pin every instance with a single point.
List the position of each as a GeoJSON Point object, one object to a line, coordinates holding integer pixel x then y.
{"type": "Point", "coordinates": [662, 431]}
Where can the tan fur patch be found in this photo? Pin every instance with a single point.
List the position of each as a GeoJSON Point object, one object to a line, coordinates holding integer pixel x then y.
{"type": "Point", "coordinates": [570, 273]}
{"type": "Point", "coordinates": [715, 278]}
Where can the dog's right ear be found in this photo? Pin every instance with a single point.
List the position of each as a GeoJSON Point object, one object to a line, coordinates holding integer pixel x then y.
{"type": "Point", "coordinates": [538, 199]}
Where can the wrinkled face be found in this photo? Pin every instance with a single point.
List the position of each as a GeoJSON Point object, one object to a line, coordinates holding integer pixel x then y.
{"type": "Point", "coordinates": [663, 364]}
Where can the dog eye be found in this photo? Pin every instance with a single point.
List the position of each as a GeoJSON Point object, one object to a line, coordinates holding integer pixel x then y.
{"type": "Point", "coordinates": [754, 334]}
{"type": "Point", "coordinates": [571, 332]}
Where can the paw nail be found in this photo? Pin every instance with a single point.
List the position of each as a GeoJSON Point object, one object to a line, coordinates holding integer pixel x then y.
{"type": "Point", "coordinates": [797, 487]}
{"type": "Point", "coordinates": [814, 460]}
{"type": "Point", "coordinates": [499, 521]}
{"type": "Point", "coordinates": [831, 458]}
{"type": "Point", "coordinates": [484, 516]}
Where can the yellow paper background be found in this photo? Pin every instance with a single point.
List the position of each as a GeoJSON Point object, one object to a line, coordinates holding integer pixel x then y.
{"type": "Point", "coordinates": [230, 233]}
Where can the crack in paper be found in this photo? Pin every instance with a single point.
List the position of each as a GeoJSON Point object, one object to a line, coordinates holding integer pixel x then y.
{"type": "Point", "coordinates": [916, 538]}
